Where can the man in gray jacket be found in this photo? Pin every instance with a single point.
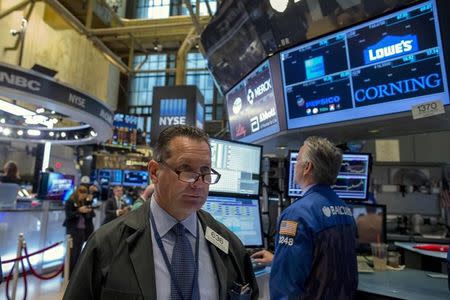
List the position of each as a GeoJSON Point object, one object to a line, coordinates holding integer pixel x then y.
{"type": "Point", "coordinates": [168, 248]}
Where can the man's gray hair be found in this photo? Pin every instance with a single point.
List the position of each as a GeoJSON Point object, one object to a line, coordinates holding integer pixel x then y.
{"type": "Point", "coordinates": [325, 157]}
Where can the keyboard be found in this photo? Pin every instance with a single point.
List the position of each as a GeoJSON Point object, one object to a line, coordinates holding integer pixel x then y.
{"type": "Point", "coordinates": [363, 265]}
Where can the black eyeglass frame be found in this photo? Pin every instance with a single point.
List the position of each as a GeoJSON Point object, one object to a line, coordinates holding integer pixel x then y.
{"type": "Point", "coordinates": [178, 172]}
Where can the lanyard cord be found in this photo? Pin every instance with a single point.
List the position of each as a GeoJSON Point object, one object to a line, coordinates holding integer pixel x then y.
{"type": "Point", "coordinates": [168, 264]}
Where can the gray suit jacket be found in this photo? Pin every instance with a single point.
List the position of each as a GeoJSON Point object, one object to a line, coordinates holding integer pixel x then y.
{"type": "Point", "coordinates": [117, 262]}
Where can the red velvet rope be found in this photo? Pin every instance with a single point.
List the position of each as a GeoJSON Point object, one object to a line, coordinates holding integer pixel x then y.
{"type": "Point", "coordinates": [34, 253]}
{"type": "Point", "coordinates": [38, 275]}
{"type": "Point", "coordinates": [25, 283]}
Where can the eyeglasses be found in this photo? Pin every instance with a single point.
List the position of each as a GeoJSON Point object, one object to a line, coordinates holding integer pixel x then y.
{"type": "Point", "coordinates": [192, 177]}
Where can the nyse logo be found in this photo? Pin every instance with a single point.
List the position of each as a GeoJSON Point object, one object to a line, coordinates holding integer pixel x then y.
{"type": "Point", "coordinates": [391, 46]}
{"type": "Point", "coordinates": [173, 112]}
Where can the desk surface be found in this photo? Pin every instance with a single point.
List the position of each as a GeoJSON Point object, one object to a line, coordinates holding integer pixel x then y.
{"type": "Point", "coordinates": [406, 284]}
{"type": "Point", "coordinates": [410, 247]}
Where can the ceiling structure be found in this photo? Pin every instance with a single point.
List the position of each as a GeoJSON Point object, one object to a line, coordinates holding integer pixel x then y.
{"type": "Point", "coordinates": [121, 39]}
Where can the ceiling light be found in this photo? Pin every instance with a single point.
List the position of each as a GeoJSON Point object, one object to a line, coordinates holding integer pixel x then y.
{"type": "Point", "coordinates": [76, 137]}
{"type": "Point", "coordinates": [2, 120]}
{"type": "Point", "coordinates": [40, 110]}
{"type": "Point", "coordinates": [54, 120]}
{"type": "Point", "coordinates": [35, 119]}
{"type": "Point", "coordinates": [33, 132]}
{"type": "Point", "coordinates": [14, 109]}
{"type": "Point", "coordinates": [19, 132]}
{"type": "Point", "coordinates": [51, 133]}
{"type": "Point", "coordinates": [1, 129]}
{"type": "Point", "coordinates": [6, 131]}
{"type": "Point", "coordinates": [52, 112]}
{"type": "Point", "coordinates": [93, 133]}
{"type": "Point", "coordinates": [63, 134]}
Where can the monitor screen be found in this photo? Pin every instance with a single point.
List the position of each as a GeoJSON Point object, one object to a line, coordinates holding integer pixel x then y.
{"type": "Point", "coordinates": [379, 67]}
{"type": "Point", "coordinates": [135, 178]}
{"type": "Point", "coordinates": [370, 222]}
{"type": "Point", "coordinates": [251, 106]}
{"type": "Point", "coordinates": [239, 164]}
{"type": "Point", "coordinates": [352, 181]}
{"type": "Point", "coordinates": [241, 215]}
{"type": "Point", "coordinates": [109, 177]}
{"type": "Point", "coordinates": [55, 186]}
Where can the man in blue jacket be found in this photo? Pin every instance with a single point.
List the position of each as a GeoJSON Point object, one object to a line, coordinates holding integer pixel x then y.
{"type": "Point", "coordinates": [315, 254]}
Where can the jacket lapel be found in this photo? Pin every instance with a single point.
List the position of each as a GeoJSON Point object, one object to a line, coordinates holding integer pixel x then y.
{"type": "Point", "coordinates": [221, 270]}
{"type": "Point", "coordinates": [141, 251]}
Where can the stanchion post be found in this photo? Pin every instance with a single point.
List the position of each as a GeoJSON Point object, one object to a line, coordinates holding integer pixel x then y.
{"type": "Point", "coordinates": [17, 265]}
{"type": "Point", "coordinates": [69, 245]}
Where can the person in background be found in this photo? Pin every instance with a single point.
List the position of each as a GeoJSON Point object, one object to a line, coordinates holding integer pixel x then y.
{"type": "Point", "coordinates": [169, 248]}
{"type": "Point", "coordinates": [10, 173]}
{"type": "Point", "coordinates": [143, 197]}
{"type": "Point", "coordinates": [315, 254]}
{"type": "Point", "coordinates": [115, 206]}
{"type": "Point", "coordinates": [78, 222]}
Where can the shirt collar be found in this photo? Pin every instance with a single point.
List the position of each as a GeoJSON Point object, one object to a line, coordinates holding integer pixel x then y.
{"type": "Point", "coordinates": [306, 189]}
{"type": "Point", "coordinates": [165, 222]}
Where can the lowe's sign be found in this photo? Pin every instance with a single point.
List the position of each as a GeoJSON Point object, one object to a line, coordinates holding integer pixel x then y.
{"type": "Point", "coordinates": [390, 47]}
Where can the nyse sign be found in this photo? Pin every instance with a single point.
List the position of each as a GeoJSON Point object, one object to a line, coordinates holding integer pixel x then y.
{"type": "Point", "coordinates": [173, 120]}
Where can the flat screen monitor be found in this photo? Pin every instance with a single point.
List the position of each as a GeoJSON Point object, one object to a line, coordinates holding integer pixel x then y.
{"type": "Point", "coordinates": [135, 178]}
{"type": "Point", "coordinates": [252, 111]}
{"type": "Point", "coordinates": [239, 164]}
{"type": "Point", "coordinates": [241, 215]}
{"type": "Point", "coordinates": [380, 67]}
{"type": "Point", "coordinates": [108, 177]}
{"type": "Point", "coordinates": [352, 181]}
{"type": "Point", "coordinates": [370, 222]}
{"type": "Point", "coordinates": [55, 186]}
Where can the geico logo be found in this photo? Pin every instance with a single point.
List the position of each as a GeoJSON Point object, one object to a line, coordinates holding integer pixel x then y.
{"type": "Point", "coordinates": [323, 101]}
{"type": "Point", "coordinates": [267, 114]}
{"type": "Point", "coordinates": [401, 47]}
{"type": "Point", "coordinates": [165, 121]}
{"type": "Point", "coordinates": [20, 81]}
{"type": "Point", "coordinates": [400, 87]}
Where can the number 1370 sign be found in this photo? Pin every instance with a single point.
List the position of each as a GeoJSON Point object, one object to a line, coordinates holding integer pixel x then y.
{"type": "Point", "coordinates": [427, 109]}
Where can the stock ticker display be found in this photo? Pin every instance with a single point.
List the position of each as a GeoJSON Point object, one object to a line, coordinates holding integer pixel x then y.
{"type": "Point", "coordinates": [380, 67]}
{"type": "Point", "coordinates": [352, 180]}
{"type": "Point", "coordinates": [252, 111]}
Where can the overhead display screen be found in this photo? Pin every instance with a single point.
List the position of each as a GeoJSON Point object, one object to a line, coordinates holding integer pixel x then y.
{"type": "Point", "coordinates": [252, 111]}
{"type": "Point", "coordinates": [384, 66]}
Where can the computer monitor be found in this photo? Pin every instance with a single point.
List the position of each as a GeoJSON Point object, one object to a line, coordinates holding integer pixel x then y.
{"type": "Point", "coordinates": [55, 186]}
{"type": "Point", "coordinates": [352, 181]}
{"type": "Point", "coordinates": [240, 166]}
{"type": "Point", "coordinates": [370, 222]}
{"type": "Point", "coordinates": [108, 177]}
{"type": "Point", "coordinates": [293, 189]}
{"type": "Point", "coordinates": [241, 215]}
{"type": "Point", "coordinates": [135, 178]}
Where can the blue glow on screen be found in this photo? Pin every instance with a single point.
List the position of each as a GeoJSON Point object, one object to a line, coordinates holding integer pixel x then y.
{"type": "Point", "coordinates": [380, 67]}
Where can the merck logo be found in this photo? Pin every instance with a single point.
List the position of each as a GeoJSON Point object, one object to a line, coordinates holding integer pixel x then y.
{"type": "Point", "coordinates": [172, 112]}
{"type": "Point", "coordinates": [391, 46]}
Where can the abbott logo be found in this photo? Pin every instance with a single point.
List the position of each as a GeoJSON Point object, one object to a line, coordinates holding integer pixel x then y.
{"type": "Point", "coordinates": [254, 123]}
{"type": "Point", "coordinates": [237, 105]}
{"type": "Point", "coordinates": [391, 46]}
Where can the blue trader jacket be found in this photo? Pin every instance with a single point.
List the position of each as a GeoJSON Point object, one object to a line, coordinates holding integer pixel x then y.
{"type": "Point", "coordinates": [315, 255]}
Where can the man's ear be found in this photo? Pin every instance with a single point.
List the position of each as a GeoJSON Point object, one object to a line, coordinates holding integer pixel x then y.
{"type": "Point", "coordinates": [153, 168]}
{"type": "Point", "coordinates": [308, 168]}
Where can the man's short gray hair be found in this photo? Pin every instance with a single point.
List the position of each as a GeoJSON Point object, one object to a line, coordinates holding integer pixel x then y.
{"type": "Point", "coordinates": [325, 157]}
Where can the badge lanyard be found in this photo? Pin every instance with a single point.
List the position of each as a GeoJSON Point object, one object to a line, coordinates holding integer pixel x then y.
{"type": "Point", "coordinates": [169, 266]}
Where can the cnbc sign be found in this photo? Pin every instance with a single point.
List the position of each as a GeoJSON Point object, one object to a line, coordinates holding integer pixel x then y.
{"type": "Point", "coordinates": [173, 112]}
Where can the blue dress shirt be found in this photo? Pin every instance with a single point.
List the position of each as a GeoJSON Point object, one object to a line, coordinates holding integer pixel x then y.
{"type": "Point", "coordinates": [207, 278]}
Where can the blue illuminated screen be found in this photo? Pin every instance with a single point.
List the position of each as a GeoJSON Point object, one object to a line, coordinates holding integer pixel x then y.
{"type": "Point", "coordinates": [384, 66]}
{"type": "Point", "coordinates": [135, 178]}
{"type": "Point", "coordinates": [56, 186]}
{"type": "Point", "coordinates": [240, 215]}
{"type": "Point", "coordinates": [109, 177]}
{"type": "Point", "coordinates": [239, 164]}
{"type": "Point", "coordinates": [352, 180]}
{"type": "Point", "coordinates": [252, 111]}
